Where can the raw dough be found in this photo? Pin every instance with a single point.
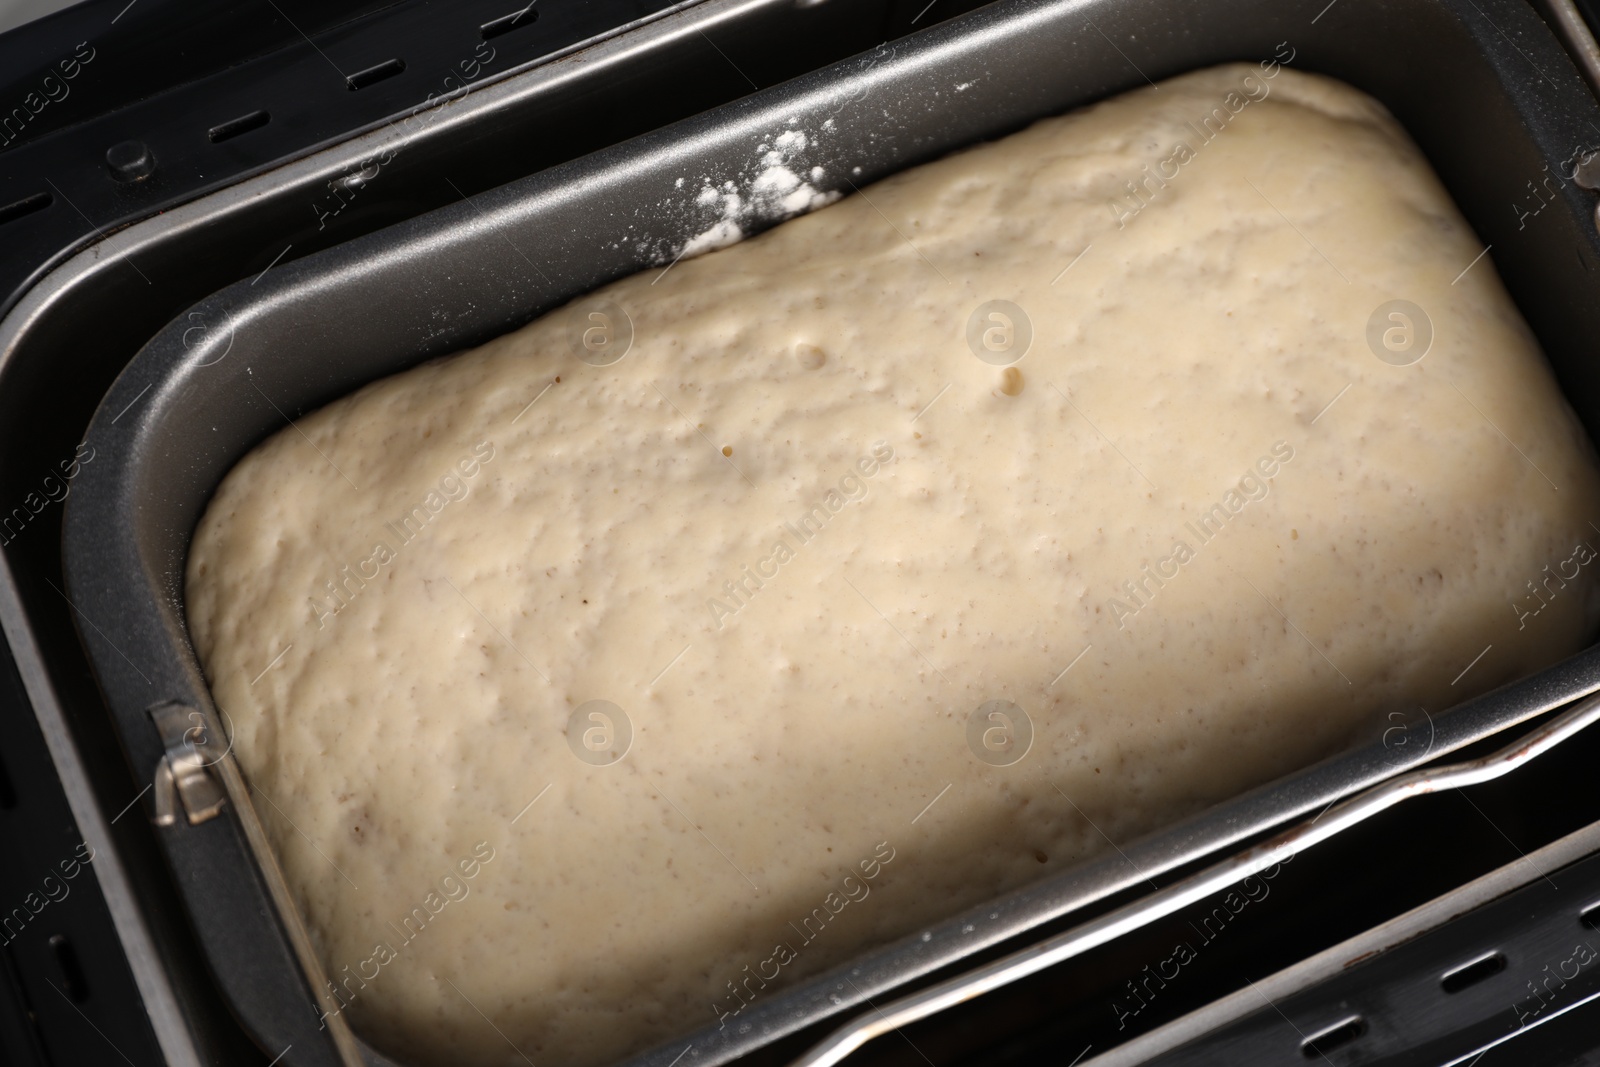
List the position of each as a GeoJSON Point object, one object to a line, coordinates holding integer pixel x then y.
{"type": "Point", "coordinates": [954, 531]}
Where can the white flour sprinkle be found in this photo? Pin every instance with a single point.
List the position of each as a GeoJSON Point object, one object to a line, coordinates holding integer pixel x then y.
{"type": "Point", "coordinates": [790, 141]}
{"type": "Point", "coordinates": [772, 191]}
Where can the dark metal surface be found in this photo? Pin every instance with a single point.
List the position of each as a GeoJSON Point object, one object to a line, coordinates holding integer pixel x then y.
{"type": "Point", "coordinates": [179, 77]}
{"type": "Point", "coordinates": [220, 92]}
{"type": "Point", "coordinates": [58, 958]}
{"type": "Point", "coordinates": [1514, 101]}
{"type": "Point", "coordinates": [1469, 990]}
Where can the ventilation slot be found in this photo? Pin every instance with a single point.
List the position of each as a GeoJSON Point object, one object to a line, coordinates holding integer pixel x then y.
{"type": "Point", "coordinates": [1470, 974]}
{"type": "Point", "coordinates": [514, 21]}
{"type": "Point", "coordinates": [12, 212]}
{"type": "Point", "coordinates": [373, 75]}
{"type": "Point", "coordinates": [8, 795]}
{"type": "Point", "coordinates": [1333, 1037]}
{"type": "Point", "coordinates": [234, 127]}
{"type": "Point", "coordinates": [77, 989]}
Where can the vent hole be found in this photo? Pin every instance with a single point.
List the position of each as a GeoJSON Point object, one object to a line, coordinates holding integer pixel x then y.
{"type": "Point", "coordinates": [1333, 1037]}
{"type": "Point", "coordinates": [514, 21]}
{"type": "Point", "coordinates": [77, 989]}
{"type": "Point", "coordinates": [8, 795]}
{"type": "Point", "coordinates": [1471, 974]}
{"type": "Point", "coordinates": [234, 127]}
{"type": "Point", "coordinates": [12, 212]}
{"type": "Point", "coordinates": [373, 75]}
{"type": "Point", "coordinates": [1590, 916]}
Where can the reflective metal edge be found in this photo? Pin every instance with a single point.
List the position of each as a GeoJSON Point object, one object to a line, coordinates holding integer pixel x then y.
{"type": "Point", "coordinates": [1574, 32]}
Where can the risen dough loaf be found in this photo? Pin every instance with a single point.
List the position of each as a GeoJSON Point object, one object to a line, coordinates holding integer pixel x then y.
{"type": "Point", "coordinates": [953, 532]}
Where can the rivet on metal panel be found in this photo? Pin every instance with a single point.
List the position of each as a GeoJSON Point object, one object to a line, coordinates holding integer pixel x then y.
{"type": "Point", "coordinates": [184, 773]}
{"type": "Point", "coordinates": [130, 161]}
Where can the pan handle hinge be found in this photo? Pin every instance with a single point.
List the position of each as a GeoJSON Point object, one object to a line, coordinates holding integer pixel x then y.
{"type": "Point", "coordinates": [183, 774]}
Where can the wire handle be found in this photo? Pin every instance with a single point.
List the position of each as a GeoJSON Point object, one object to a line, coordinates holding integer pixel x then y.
{"type": "Point", "coordinates": [1080, 939]}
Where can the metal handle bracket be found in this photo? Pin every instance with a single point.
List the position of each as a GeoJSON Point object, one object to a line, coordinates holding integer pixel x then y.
{"type": "Point", "coordinates": [183, 775]}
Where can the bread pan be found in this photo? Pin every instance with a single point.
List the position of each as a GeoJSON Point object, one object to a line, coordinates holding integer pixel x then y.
{"type": "Point", "coordinates": [1482, 86]}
